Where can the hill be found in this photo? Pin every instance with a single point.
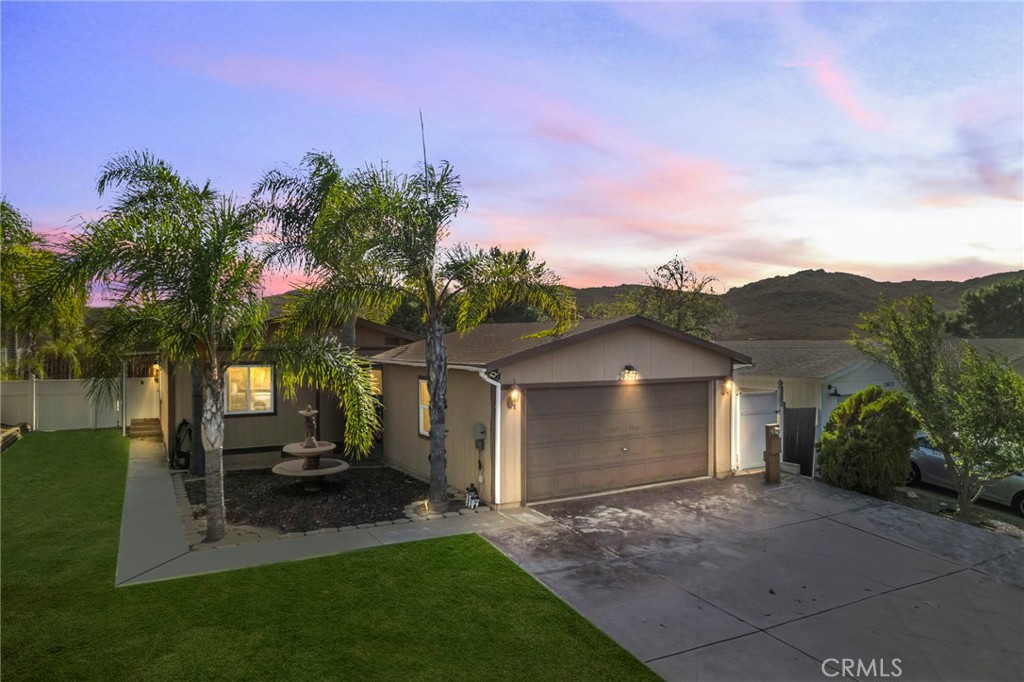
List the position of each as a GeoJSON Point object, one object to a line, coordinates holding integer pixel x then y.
{"type": "Point", "coordinates": [813, 304]}
{"type": "Point", "coordinates": [810, 304]}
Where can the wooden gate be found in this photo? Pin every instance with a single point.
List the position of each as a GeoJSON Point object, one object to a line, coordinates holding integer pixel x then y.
{"type": "Point", "coordinates": [798, 437]}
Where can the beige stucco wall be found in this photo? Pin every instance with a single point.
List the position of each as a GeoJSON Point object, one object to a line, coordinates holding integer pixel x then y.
{"type": "Point", "coordinates": [653, 354]}
{"type": "Point", "coordinates": [469, 402]}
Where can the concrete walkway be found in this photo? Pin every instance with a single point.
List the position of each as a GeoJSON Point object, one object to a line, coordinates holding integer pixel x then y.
{"type": "Point", "coordinates": [153, 546]}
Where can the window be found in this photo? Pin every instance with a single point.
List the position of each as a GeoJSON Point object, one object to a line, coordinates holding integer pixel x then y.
{"type": "Point", "coordinates": [424, 408]}
{"type": "Point", "coordinates": [377, 380]}
{"type": "Point", "coordinates": [249, 389]}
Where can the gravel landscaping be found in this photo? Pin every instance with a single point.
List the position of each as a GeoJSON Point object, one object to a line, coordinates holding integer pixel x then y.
{"type": "Point", "coordinates": [258, 497]}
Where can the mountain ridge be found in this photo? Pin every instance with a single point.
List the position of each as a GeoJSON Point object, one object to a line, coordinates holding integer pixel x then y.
{"type": "Point", "coordinates": [812, 304]}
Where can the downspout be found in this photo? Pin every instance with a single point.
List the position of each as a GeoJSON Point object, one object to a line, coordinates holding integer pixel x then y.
{"type": "Point", "coordinates": [497, 434]}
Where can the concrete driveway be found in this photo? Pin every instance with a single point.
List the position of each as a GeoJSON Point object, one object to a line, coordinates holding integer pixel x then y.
{"type": "Point", "coordinates": [732, 580]}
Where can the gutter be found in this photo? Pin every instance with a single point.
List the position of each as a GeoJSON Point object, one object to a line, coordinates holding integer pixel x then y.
{"type": "Point", "coordinates": [497, 433]}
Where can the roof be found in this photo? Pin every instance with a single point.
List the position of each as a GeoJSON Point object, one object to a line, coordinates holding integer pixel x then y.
{"type": "Point", "coordinates": [490, 346]}
{"type": "Point", "coordinates": [791, 358]}
{"type": "Point", "coordinates": [820, 359]}
{"type": "Point", "coordinates": [388, 329]}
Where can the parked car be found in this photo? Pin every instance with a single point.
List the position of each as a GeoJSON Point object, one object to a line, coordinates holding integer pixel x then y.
{"type": "Point", "coordinates": [929, 465]}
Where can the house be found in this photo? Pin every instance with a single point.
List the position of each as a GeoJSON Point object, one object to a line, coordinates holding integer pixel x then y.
{"type": "Point", "coordinates": [257, 417]}
{"type": "Point", "coordinates": [610, 404]}
{"type": "Point", "coordinates": [809, 379]}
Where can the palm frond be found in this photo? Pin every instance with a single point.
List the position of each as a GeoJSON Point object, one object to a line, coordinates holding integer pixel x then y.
{"type": "Point", "coordinates": [484, 281]}
{"type": "Point", "coordinates": [322, 363]}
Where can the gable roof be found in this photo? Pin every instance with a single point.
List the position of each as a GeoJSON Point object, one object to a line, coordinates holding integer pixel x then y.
{"type": "Point", "coordinates": [494, 345]}
{"type": "Point", "coordinates": [820, 359]}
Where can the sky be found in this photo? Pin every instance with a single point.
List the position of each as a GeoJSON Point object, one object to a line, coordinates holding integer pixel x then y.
{"type": "Point", "coordinates": [753, 140]}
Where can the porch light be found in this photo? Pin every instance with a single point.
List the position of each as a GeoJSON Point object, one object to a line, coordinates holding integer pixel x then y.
{"type": "Point", "coordinates": [513, 397]}
{"type": "Point", "coordinates": [629, 373]}
{"type": "Point", "coordinates": [155, 372]}
{"type": "Point", "coordinates": [727, 386]}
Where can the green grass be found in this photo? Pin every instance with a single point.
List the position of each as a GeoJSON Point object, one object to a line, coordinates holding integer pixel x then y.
{"type": "Point", "coordinates": [452, 609]}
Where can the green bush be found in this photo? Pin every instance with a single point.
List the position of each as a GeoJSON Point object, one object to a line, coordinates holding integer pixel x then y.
{"type": "Point", "coordinates": [866, 444]}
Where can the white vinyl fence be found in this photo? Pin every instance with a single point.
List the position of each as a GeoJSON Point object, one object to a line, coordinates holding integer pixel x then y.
{"type": "Point", "coordinates": [62, 404]}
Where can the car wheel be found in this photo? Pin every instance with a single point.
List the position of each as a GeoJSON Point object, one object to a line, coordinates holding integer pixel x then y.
{"type": "Point", "coordinates": [914, 477]}
{"type": "Point", "coordinates": [1017, 505]}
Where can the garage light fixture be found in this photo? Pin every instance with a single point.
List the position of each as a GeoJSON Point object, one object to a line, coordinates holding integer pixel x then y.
{"type": "Point", "coordinates": [154, 372]}
{"type": "Point", "coordinates": [629, 373]}
{"type": "Point", "coordinates": [727, 386]}
{"type": "Point", "coordinates": [513, 397]}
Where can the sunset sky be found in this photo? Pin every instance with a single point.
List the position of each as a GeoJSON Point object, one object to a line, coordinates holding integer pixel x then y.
{"type": "Point", "coordinates": [752, 139]}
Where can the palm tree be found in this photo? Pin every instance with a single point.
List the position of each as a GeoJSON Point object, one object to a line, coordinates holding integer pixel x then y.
{"type": "Point", "coordinates": [377, 241]}
{"type": "Point", "coordinates": [31, 333]}
{"type": "Point", "coordinates": [292, 204]}
{"type": "Point", "coordinates": [180, 264]}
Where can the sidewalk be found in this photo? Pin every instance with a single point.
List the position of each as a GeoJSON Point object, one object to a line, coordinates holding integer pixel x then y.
{"type": "Point", "coordinates": [153, 546]}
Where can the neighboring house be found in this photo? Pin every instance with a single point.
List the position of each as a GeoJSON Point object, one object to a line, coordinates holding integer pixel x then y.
{"type": "Point", "coordinates": [257, 416]}
{"type": "Point", "coordinates": [811, 378]}
{"type": "Point", "coordinates": [610, 404]}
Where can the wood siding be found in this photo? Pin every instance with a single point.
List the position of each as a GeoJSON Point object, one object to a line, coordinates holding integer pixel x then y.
{"type": "Point", "coordinates": [653, 354]}
{"type": "Point", "coordinates": [469, 402]}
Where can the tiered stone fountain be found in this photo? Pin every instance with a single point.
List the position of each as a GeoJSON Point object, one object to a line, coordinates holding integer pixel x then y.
{"type": "Point", "coordinates": [312, 466]}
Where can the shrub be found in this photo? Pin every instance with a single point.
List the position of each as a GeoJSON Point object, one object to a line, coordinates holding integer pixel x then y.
{"type": "Point", "coordinates": [866, 444]}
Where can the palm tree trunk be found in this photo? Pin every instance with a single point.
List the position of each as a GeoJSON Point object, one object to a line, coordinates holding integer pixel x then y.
{"type": "Point", "coordinates": [213, 444]}
{"type": "Point", "coordinates": [437, 384]}
{"type": "Point", "coordinates": [197, 458]}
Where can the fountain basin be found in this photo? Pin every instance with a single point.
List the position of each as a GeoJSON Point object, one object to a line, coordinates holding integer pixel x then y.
{"type": "Point", "coordinates": [311, 478]}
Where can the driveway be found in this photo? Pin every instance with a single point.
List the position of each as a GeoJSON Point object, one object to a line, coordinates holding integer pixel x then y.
{"type": "Point", "coordinates": [733, 580]}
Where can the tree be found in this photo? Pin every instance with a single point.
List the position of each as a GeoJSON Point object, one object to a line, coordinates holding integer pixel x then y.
{"type": "Point", "coordinates": [865, 446]}
{"type": "Point", "coordinates": [377, 242]}
{"type": "Point", "coordinates": [992, 312]}
{"type": "Point", "coordinates": [54, 327]}
{"type": "Point", "coordinates": [179, 263]}
{"type": "Point", "coordinates": [675, 296]}
{"type": "Point", "coordinates": [971, 407]}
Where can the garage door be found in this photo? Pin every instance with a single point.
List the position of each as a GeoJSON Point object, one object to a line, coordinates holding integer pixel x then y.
{"type": "Point", "coordinates": [585, 440]}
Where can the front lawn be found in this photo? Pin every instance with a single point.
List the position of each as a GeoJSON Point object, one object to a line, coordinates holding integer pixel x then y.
{"type": "Point", "coordinates": [451, 609]}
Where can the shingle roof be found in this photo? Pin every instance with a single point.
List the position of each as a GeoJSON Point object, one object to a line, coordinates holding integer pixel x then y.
{"type": "Point", "coordinates": [809, 359]}
{"type": "Point", "coordinates": [491, 345]}
{"type": "Point", "coordinates": [819, 359]}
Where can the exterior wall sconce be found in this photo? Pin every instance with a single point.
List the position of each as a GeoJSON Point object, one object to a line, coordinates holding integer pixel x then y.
{"type": "Point", "coordinates": [155, 372]}
{"type": "Point", "coordinates": [513, 397]}
{"type": "Point", "coordinates": [629, 373]}
{"type": "Point", "coordinates": [727, 386]}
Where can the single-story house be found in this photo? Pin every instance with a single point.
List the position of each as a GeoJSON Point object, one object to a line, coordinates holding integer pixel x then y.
{"type": "Point", "coordinates": [809, 379]}
{"type": "Point", "coordinates": [257, 416]}
{"type": "Point", "coordinates": [610, 404]}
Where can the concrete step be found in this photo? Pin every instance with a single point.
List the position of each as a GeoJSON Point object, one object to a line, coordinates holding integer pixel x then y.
{"type": "Point", "coordinates": [145, 428]}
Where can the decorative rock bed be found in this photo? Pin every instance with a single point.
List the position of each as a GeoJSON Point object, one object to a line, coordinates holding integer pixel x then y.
{"type": "Point", "coordinates": [363, 496]}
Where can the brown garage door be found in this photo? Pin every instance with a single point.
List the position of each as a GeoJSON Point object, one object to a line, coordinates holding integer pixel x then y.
{"type": "Point", "coordinates": [584, 440]}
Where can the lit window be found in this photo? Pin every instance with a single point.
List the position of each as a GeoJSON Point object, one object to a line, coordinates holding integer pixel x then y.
{"type": "Point", "coordinates": [424, 408]}
{"type": "Point", "coordinates": [377, 381]}
{"type": "Point", "coordinates": [249, 389]}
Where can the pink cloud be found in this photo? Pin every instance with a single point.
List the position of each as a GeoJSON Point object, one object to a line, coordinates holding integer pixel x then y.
{"type": "Point", "coordinates": [341, 76]}
{"type": "Point", "coordinates": [838, 88]}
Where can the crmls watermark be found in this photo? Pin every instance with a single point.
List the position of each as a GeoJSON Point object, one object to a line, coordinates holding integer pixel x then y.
{"type": "Point", "coordinates": [858, 667]}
